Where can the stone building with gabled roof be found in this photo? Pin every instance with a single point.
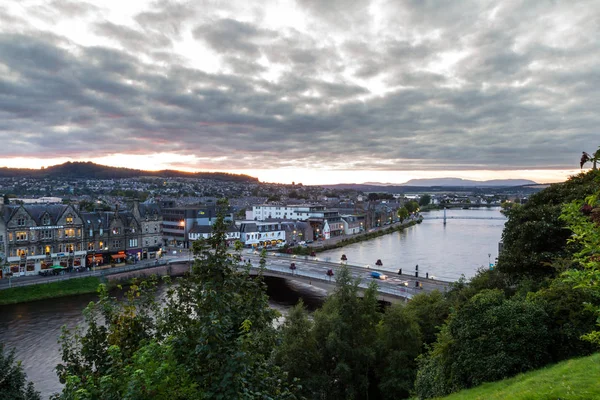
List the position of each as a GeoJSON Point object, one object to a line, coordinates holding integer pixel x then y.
{"type": "Point", "coordinates": [36, 237]}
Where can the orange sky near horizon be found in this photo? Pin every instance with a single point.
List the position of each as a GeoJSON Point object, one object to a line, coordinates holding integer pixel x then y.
{"type": "Point", "coordinates": [303, 175]}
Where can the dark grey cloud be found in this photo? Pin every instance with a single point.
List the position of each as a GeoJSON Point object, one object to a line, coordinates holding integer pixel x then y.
{"type": "Point", "coordinates": [415, 85]}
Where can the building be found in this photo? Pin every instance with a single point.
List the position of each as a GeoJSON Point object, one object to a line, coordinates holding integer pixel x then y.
{"type": "Point", "coordinates": [261, 233]}
{"type": "Point", "coordinates": [205, 231]}
{"type": "Point", "coordinates": [36, 237]}
{"type": "Point", "coordinates": [178, 221]}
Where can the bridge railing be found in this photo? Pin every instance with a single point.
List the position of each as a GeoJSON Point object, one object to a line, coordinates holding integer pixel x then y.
{"type": "Point", "coordinates": [399, 291]}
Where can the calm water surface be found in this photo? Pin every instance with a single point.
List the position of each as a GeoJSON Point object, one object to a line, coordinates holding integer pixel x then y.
{"type": "Point", "coordinates": [444, 251]}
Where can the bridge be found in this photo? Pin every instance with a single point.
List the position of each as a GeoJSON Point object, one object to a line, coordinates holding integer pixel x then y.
{"type": "Point", "coordinates": [314, 272]}
{"type": "Point", "coordinates": [307, 269]}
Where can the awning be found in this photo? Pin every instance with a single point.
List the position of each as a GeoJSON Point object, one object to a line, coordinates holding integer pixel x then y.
{"type": "Point", "coordinates": [115, 256]}
{"type": "Point", "coordinates": [57, 267]}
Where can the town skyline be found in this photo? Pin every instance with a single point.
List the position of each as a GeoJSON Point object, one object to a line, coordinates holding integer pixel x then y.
{"type": "Point", "coordinates": [304, 91]}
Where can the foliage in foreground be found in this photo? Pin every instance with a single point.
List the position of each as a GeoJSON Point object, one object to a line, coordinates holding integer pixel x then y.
{"type": "Point", "coordinates": [575, 379]}
{"type": "Point", "coordinates": [351, 350]}
{"type": "Point", "coordinates": [212, 338]}
{"type": "Point", "coordinates": [13, 381]}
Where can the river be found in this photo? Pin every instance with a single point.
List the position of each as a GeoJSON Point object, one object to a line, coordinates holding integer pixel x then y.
{"type": "Point", "coordinates": [444, 251]}
{"type": "Point", "coordinates": [459, 247]}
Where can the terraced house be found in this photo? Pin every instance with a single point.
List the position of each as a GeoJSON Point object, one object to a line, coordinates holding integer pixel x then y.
{"type": "Point", "coordinates": [34, 238]}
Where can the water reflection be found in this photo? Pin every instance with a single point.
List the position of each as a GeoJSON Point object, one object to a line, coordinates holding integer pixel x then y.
{"type": "Point", "coordinates": [444, 251]}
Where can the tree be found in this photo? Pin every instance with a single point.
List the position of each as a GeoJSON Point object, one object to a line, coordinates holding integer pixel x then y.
{"type": "Point", "coordinates": [213, 337]}
{"type": "Point", "coordinates": [585, 157]}
{"type": "Point", "coordinates": [398, 344]}
{"type": "Point", "coordinates": [13, 380]}
{"type": "Point", "coordinates": [412, 206]}
{"type": "Point", "coordinates": [583, 219]}
{"type": "Point", "coordinates": [298, 353]}
{"type": "Point", "coordinates": [425, 200]}
{"type": "Point", "coordinates": [344, 336]}
{"type": "Point", "coordinates": [534, 235]}
{"type": "Point", "coordinates": [430, 311]}
{"type": "Point", "coordinates": [402, 214]}
{"type": "Point", "coordinates": [487, 339]}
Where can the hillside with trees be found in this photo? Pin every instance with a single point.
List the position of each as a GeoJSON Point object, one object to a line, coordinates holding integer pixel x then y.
{"type": "Point", "coordinates": [89, 170]}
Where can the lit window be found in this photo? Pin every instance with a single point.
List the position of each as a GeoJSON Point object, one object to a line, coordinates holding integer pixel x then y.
{"type": "Point", "coordinates": [21, 235]}
{"type": "Point", "coordinates": [69, 219]}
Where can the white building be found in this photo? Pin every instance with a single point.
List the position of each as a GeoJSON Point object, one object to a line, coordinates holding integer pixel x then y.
{"type": "Point", "coordinates": [259, 233]}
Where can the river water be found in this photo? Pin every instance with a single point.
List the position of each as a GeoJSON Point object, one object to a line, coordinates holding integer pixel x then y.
{"type": "Point", "coordinates": [446, 252]}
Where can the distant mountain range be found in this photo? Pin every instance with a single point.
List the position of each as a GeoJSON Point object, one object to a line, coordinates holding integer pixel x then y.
{"type": "Point", "coordinates": [439, 183]}
{"type": "Point", "coordinates": [90, 170]}
{"type": "Point", "coordinates": [458, 182]}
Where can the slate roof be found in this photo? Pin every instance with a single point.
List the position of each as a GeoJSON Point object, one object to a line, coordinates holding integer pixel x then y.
{"type": "Point", "coordinates": [36, 211]}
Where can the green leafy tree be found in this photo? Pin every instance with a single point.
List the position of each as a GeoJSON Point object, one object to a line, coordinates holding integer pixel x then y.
{"type": "Point", "coordinates": [398, 345]}
{"type": "Point", "coordinates": [212, 338]}
{"type": "Point", "coordinates": [583, 219]}
{"type": "Point", "coordinates": [412, 206]}
{"type": "Point", "coordinates": [298, 354]}
{"type": "Point", "coordinates": [424, 200]}
{"type": "Point", "coordinates": [534, 235]}
{"type": "Point", "coordinates": [403, 214]}
{"type": "Point", "coordinates": [13, 380]}
{"type": "Point", "coordinates": [344, 336]}
{"type": "Point", "coordinates": [487, 339]}
{"type": "Point", "coordinates": [430, 311]}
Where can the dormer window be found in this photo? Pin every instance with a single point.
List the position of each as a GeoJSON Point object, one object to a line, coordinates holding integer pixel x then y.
{"type": "Point", "coordinates": [21, 221]}
{"type": "Point", "coordinates": [46, 220]}
{"type": "Point", "coordinates": [69, 219]}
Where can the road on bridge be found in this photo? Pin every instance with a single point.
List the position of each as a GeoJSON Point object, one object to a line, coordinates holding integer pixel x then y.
{"type": "Point", "coordinates": [398, 285]}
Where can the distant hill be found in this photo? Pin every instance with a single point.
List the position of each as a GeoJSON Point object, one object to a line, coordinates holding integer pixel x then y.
{"type": "Point", "coordinates": [458, 182]}
{"type": "Point", "coordinates": [90, 170]}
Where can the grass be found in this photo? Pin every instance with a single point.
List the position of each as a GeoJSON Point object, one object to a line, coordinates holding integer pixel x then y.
{"type": "Point", "coordinates": [49, 290]}
{"type": "Point", "coordinates": [575, 379]}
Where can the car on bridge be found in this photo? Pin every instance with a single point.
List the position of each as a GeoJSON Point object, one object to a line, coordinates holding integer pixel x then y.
{"type": "Point", "coordinates": [378, 275]}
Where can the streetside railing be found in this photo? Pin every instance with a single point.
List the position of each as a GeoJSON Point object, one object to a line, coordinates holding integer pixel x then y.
{"type": "Point", "coordinates": [15, 282]}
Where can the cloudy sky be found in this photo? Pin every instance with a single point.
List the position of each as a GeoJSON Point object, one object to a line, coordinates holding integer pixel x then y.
{"type": "Point", "coordinates": [309, 91]}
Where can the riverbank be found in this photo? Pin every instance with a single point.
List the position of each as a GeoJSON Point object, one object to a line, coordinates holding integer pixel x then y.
{"type": "Point", "coordinates": [50, 290]}
{"type": "Point", "coordinates": [361, 237]}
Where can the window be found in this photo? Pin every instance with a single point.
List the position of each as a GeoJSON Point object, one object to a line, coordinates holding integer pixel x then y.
{"type": "Point", "coordinates": [46, 220]}
{"type": "Point", "coordinates": [116, 231]}
{"type": "Point", "coordinates": [10, 236]}
{"type": "Point", "coordinates": [69, 233]}
{"type": "Point", "coordinates": [46, 234]}
{"type": "Point", "coordinates": [78, 232]}
{"type": "Point", "coordinates": [116, 244]}
{"type": "Point", "coordinates": [21, 221]}
{"type": "Point", "coordinates": [132, 229]}
{"type": "Point", "coordinates": [48, 249]}
{"type": "Point", "coordinates": [91, 246]}
{"type": "Point", "coordinates": [69, 219]}
{"type": "Point", "coordinates": [21, 235]}
{"type": "Point", "coordinates": [21, 252]}
{"type": "Point", "coordinates": [101, 245]}
{"type": "Point", "coordinates": [133, 242]}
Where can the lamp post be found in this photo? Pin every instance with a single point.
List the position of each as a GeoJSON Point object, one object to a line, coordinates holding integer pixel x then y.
{"type": "Point", "coordinates": [489, 260]}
